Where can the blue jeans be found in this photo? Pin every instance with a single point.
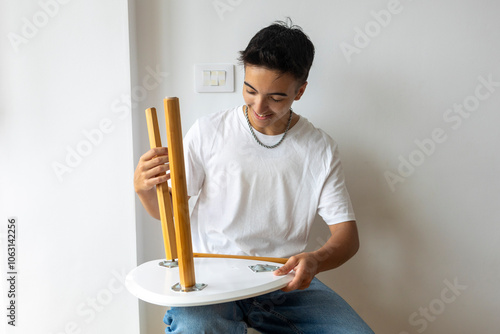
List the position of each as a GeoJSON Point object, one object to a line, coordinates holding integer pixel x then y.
{"type": "Point", "coordinates": [318, 309]}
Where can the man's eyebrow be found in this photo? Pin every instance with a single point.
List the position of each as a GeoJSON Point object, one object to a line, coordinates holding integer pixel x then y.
{"type": "Point", "coordinates": [277, 93]}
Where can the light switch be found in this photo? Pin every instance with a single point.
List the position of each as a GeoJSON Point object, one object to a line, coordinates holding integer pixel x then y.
{"type": "Point", "coordinates": [206, 78]}
{"type": "Point", "coordinates": [221, 78]}
{"type": "Point", "coordinates": [213, 78]}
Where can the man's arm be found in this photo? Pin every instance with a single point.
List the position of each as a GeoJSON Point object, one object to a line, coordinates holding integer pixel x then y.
{"type": "Point", "coordinates": [339, 248]}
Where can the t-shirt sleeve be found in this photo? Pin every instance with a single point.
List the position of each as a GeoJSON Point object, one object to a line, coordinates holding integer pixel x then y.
{"type": "Point", "coordinates": [334, 202]}
{"type": "Point", "coordinates": [193, 160]}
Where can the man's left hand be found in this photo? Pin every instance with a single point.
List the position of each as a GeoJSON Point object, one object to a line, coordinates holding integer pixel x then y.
{"type": "Point", "coordinates": [305, 266]}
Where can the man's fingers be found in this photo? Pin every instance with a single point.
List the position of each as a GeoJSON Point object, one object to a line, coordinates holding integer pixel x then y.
{"type": "Point", "coordinates": [287, 267]}
{"type": "Point", "coordinates": [155, 171]}
{"type": "Point", "coordinates": [159, 179]}
{"type": "Point", "coordinates": [294, 284]}
{"type": "Point", "coordinates": [157, 151]}
{"type": "Point", "coordinates": [299, 282]}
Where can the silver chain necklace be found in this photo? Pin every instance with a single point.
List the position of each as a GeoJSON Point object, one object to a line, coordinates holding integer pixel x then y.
{"type": "Point", "coordinates": [257, 139]}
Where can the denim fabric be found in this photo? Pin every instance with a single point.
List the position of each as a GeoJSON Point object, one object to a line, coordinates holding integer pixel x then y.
{"type": "Point", "coordinates": [318, 309]}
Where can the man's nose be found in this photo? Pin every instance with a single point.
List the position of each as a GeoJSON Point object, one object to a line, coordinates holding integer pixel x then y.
{"type": "Point", "coordinates": [259, 105]}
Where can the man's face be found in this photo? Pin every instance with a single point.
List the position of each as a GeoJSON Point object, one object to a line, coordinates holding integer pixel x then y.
{"type": "Point", "coordinates": [269, 96]}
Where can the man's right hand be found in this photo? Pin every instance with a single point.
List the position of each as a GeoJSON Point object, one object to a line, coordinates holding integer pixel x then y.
{"type": "Point", "coordinates": [151, 170]}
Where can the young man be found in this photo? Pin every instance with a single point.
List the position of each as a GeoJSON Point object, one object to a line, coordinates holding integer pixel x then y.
{"type": "Point", "coordinates": [261, 173]}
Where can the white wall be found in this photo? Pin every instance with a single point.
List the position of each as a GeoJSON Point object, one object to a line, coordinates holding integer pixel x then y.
{"type": "Point", "coordinates": [437, 226]}
{"type": "Point", "coordinates": [65, 88]}
{"type": "Point", "coordinates": [149, 51]}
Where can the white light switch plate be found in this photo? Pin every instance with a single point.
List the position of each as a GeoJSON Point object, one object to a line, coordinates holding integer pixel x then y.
{"type": "Point", "coordinates": [224, 82]}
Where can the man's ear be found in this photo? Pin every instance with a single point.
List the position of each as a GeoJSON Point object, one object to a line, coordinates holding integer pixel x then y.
{"type": "Point", "coordinates": [300, 91]}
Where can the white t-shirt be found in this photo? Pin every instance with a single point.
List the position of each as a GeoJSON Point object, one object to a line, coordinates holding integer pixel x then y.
{"type": "Point", "coordinates": [258, 201]}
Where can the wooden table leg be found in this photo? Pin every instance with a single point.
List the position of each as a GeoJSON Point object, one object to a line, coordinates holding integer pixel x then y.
{"type": "Point", "coordinates": [163, 194]}
{"type": "Point", "coordinates": [179, 193]}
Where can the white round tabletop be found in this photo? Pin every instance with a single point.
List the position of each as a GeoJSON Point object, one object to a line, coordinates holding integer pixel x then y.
{"type": "Point", "coordinates": [226, 280]}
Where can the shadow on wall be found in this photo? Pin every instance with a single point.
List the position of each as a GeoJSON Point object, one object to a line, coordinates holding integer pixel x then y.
{"type": "Point", "coordinates": [386, 279]}
{"type": "Point", "coordinates": [389, 244]}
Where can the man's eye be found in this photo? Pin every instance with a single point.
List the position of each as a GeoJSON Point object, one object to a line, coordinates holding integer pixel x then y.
{"type": "Point", "coordinates": [250, 92]}
{"type": "Point", "coordinates": [275, 100]}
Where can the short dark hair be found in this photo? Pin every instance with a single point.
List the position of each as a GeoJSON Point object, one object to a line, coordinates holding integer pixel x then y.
{"type": "Point", "coordinates": [282, 46]}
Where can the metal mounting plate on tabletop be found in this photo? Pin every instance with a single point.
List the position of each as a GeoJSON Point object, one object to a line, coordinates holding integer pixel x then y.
{"type": "Point", "coordinates": [262, 268]}
{"type": "Point", "coordinates": [169, 263]}
{"type": "Point", "coordinates": [197, 287]}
